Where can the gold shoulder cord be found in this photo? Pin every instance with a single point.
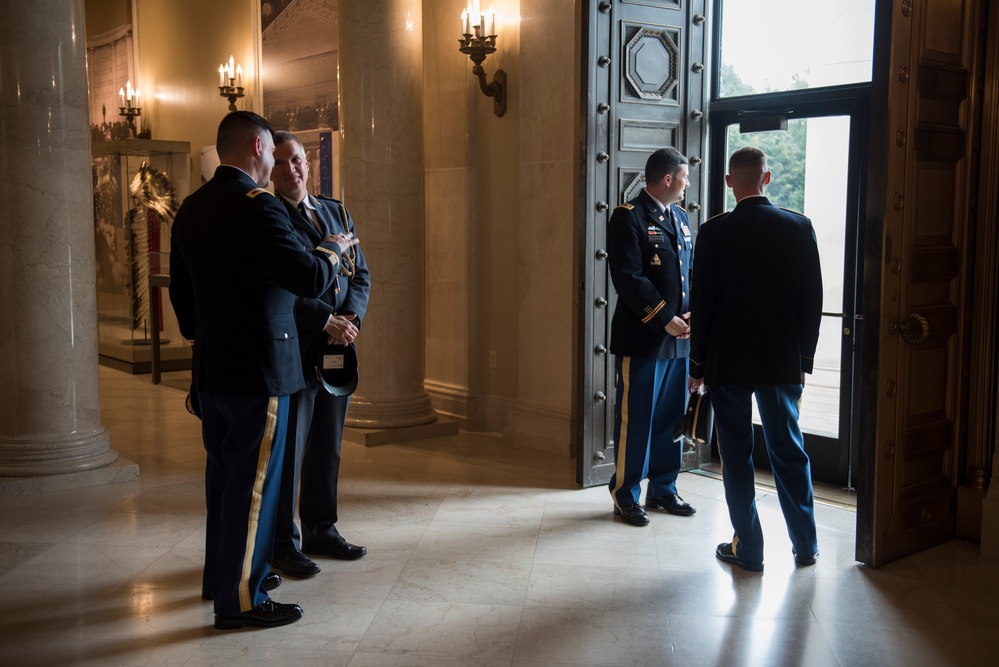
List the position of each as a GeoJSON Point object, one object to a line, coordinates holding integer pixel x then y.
{"type": "Point", "coordinates": [348, 264]}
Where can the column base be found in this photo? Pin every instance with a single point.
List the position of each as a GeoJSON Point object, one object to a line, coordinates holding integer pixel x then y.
{"type": "Point", "coordinates": [394, 413]}
{"type": "Point", "coordinates": [58, 455]}
{"type": "Point", "coordinates": [384, 436]}
{"type": "Point", "coordinates": [120, 471]}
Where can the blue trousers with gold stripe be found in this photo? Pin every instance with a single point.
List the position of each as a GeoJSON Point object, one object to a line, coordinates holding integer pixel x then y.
{"type": "Point", "coordinates": [245, 439]}
{"type": "Point", "coordinates": [650, 397]}
{"type": "Point", "coordinates": [785, 444]}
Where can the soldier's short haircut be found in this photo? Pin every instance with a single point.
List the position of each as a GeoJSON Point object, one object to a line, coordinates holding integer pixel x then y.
{"type": "Point", "coordinates": [237, 130]}
{"type": "Point", "coordinates": [663, 161]}
{"type": "Point", "coordinates": [747, 159]}
{"type": "Point", "coordinates": [283, 137]}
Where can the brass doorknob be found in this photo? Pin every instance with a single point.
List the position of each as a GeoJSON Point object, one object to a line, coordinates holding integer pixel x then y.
{"type": "Point", "coordinates": [914, 329]}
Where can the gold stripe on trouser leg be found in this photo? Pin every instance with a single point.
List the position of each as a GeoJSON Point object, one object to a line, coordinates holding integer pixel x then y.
{"type": "Point", "coordinates": [266, 445]}
{"type": "Point", "coordinates": [622, 445]}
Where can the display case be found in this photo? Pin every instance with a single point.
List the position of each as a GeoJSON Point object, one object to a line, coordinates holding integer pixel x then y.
{"type": "Point", "coordinates": [138, 186]}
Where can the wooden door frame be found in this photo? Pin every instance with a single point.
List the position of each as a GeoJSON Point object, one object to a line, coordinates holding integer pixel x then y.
{"type": "Point", "coordinates": [893, 139]}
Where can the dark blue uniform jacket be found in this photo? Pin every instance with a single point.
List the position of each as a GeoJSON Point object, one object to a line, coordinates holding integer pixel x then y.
{"type": "Point", "coordinates": [350, 294]}
{"type": "Point", "coordinates": [757, 298]}
{"type": "Point", "coordinates": [649, 256]}
{"type": "Point", "coordinates": [236, 267]}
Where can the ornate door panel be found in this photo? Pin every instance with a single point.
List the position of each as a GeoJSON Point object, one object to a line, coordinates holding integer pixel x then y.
{"type": "Point", "coordinates": [644, 89]}
{"type": "Point", "coordinates": [909, 488]}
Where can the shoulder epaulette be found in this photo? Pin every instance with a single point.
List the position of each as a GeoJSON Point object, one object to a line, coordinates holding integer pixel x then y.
{"type": "Point", "coordinates": [680, 207]}
{"type": "Point", "coordinates": [256, 191]}
{"type": "Point", "coordinates": [716, 215]}
{"type": "Point", "coordinates": [629, 207]}
{"type": "Point", "coordinates": [790, 211]}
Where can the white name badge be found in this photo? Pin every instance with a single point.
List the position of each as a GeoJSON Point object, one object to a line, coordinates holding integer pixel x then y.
{"type": "Point", "coordinates": [332, 362]}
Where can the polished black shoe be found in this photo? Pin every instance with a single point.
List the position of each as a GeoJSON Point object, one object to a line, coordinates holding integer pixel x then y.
{"type": "Point", "coordinates": [337, 548]}
{"type": "Point", "coordinates": [726, 553]}
{"type": "Point", "coordinates": [268, 614]}
{"type": "Point", "coordinates": [295, 565]}
{"type": "Point", "coordinates": [271, 581]}
{"type": "Point", "coordinates": [672, 503]}
{"type": "Point", "coordinates": [633, 514]}
{"type": "Point", "coordinates": [805, 560]}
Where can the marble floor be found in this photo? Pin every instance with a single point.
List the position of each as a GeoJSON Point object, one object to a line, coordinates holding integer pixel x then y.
{"type": "Point", "coordinates": [481, 553]}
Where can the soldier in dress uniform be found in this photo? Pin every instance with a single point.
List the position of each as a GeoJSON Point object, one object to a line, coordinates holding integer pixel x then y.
{"type": "Point", "coordinates": [235, 270]}
{"type": "Point", "coordinates": [650, 248]}
{"type": "Point", "coordinates": [757, 306]}
{"type": "Point", "coordinates": [315, 430]}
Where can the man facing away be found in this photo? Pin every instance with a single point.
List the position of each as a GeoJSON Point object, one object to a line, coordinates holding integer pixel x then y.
{"type": "Point", "coordinates": [649, 250]}
{"type": "Point", "coordinates": [755, 315]}
{"type": "Point", "coordinates": [312, 454]}
{"type": "Point", "coordinates": [235, 270]}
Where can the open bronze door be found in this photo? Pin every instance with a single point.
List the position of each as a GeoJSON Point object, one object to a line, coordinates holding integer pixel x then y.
{"type": "Point", "coordinates": [925, 106]}
{"type": "Point", "coordinates": [643, 82]}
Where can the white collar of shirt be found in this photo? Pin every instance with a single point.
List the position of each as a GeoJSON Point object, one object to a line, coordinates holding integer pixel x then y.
{"type": "Point", "coordinates": [232, 166]}
{"type": "Point", "coordinates": [307, 201]}
{"type": "Point", "coordinates": [662, 206]}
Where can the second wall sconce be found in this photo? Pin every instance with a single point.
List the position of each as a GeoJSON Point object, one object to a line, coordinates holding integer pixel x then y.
{"type": "Point", "coordinates": [231, 82]}
{"type": "Point", "coordinates": [478, 39]}
{"type": "Point", "coordinates": [128, 106]}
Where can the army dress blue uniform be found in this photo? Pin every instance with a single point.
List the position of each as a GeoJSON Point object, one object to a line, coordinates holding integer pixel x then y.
{"type": "Point", "coordinates": [755, 315]}
{"type": "Point", "coordinates": [649, 253]}
{"type": "Point", "coordinates": [312, 454]}
{"type": "Point", "coordinates": [235, 270]}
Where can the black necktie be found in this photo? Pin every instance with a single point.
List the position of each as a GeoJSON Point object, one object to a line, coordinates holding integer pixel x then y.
{"type": "Point", "coordinates": [305, 212]}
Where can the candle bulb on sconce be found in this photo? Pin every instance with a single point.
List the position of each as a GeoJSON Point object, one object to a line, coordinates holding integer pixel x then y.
{"type": "Point", "coordinates": [231, 82]}
{"type": "Point", "coordinates": [478, 41]}
{"type": "Point", "coordinates": [128, 107]}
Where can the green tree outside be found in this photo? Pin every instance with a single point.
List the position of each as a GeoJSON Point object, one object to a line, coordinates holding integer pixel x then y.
{"type": "Point", "coordinates": [785, 149]}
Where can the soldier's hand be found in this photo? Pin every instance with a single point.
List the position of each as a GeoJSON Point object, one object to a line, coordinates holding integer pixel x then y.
{"type": "Point", "coordinates": [678, 328]}
{"type": "Point", "coordinates": [345, 241]}
{"type": "Point", "coordinates": [340, 329]}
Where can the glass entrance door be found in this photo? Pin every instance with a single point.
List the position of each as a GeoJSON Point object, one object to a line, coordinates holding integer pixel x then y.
{"type": "Point", "coordinates": [814, 165]}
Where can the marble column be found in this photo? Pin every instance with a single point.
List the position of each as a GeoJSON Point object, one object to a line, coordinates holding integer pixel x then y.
{"type": "Point", "coordinates": [49, 406]}
{"type": "Point", "coordinates": [381, 161]}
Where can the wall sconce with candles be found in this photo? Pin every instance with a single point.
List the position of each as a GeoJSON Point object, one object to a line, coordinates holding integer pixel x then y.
{"type": "Point", "coordinates": [128, 105]}
{"type": "Point", "coordinates": [478, 39]}
{"type": "Point", "coordinates": [231, 82]}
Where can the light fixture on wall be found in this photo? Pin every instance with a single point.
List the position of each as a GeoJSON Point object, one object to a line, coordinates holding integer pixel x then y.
{"type": "Point", "coordinates": [478, 39]}
{"type": "Point", "coordinates": [231, 82]}
{"type": "Point", "coordinates": [128, 105]}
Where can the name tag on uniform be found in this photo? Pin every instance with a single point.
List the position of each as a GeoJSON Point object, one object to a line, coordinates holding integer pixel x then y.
{"type": "Point", "coordinates": [655, 234]}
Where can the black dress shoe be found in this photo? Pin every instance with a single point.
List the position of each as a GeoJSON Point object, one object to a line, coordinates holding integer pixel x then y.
{"type": "Point", "coordinates": [271, 581]}
{"type": "Point", "coordinates": [633, 514]}
{"type": "Point", "coordinates": [269, 614]}
{"type": "Point", "coordinates": [726, 553]}
{"type": "Point", "coordinates": [805, 560]}
{"type": "Point", "coordinates": [336, 548]}
{"type": "Point", "coordinates": [672, 503]}
{"type": "Point", "coordinates": [295, 565]}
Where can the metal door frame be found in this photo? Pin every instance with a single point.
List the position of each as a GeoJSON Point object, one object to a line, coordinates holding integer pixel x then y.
{"type": "Point", "coordinates": [853, 101]}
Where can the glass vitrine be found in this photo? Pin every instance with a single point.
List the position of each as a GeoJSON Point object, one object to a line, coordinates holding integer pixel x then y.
{"type": "Point", "coordinates": [138, 185]}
